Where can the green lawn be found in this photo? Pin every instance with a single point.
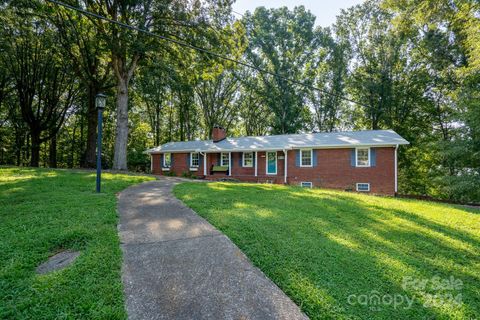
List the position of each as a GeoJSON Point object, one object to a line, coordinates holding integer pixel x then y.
{"type": "Point", "coordinates": [44, 211]}
{"type": "Point", "coordinates": [336, 253]}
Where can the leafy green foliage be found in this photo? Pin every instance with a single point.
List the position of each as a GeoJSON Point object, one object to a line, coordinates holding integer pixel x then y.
{"type": "Point", "coordinates": [320, 247]}
{"type": "Point", "coordinates": [413, 67]}
{"type": "Point", "coordinates": [282, 42]}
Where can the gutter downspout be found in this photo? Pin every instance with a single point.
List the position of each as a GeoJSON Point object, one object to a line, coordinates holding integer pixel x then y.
{"type": "Point", "coordinates": [230, 164]}
{"type": "Point", "coordinates": [286, 165]}
{"type": "Point", "coordinates": [396, 169]}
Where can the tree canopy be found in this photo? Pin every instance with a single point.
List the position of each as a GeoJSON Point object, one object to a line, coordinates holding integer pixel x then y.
{"type": "Point", "coordinates": [411, 66]}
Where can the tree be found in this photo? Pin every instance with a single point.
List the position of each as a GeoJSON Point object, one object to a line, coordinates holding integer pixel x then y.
{"type": "Point", "coordinates": [89, 59]}
{"type": "Point", "coordinates": [43, 82]}
{"type": "Point", "coordinates": [282, 42]}
{"type": "Point", "coordinates": [329, 71]}
{"type": "Point", "coordinates": [216, 98]}
{"type": "Point", "coordinates": [448, 35]}
{"type": "Point", "coordinates": [128, 47]}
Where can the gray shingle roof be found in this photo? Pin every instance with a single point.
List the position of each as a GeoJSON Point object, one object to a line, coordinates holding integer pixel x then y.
{"type": "Point", "coordinates": [288, 141]}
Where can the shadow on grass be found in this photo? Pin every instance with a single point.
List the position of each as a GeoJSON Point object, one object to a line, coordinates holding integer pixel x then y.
{"type": "Point", "coordinates": [321, 247]}
{"type": "Point", "coordinates": [42, 211]}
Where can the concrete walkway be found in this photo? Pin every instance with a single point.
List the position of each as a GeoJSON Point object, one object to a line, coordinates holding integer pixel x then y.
{"type": "Point", "coordinates": [178, 266]}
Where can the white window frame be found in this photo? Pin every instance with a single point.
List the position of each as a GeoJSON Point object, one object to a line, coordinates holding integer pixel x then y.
{"type": "Point", "coordinates": [310, 184]}
{"type": "Point", "coordinates": [221, 159]}
{"type": "Point", "coordinates": [191, 160]}
{"type": "Point", "coordinates": [311, 158]}
{"type": "Point", "coordinates": [266, 163]}
{"type": "Point", "coordinates": [164, 158]}
{"type": "Point", "coordinates": [369, 158]}
{"type": "Point", "coordinates": [243, 160]}
{"type": "Point", "coordinates": [367, 183]}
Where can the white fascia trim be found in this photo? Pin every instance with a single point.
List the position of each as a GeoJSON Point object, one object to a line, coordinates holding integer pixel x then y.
{"type": "Point", "coordinates": [311, 158]}
{"type": "Point", "coordinates": [356, 158]}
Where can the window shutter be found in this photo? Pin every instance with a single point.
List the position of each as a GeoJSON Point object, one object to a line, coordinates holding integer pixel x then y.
{"type": "Point", "coordinates": [240, 157]}
{"type": "Point", "coordinates": [254, 162]}
{"type": "Point", "coordinates": [352, 158]}
{"type": "Point", "coordinates": [200, 160]}
{"type": "Point", "coordinates": [297, 158]}
{"type": "Point", "coordinates": [171, 159]}
{"type": "Point", "coordinates": [188, 160]}
{"type": "Point", "coordinates": [161, 160]}
{"type": "Point", "coordinates": [373, 157]}
{"type": "Point", "coordinates": [314, 157]}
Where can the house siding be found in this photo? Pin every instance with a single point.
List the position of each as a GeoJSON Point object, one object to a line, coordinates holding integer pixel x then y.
{"type": "Point", "coordinates": [332, 169]}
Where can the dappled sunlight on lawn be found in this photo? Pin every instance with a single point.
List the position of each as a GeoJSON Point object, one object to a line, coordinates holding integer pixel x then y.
{"type": "Point", "coordinates": [43, 211]}
{"type": "Point", "coordinates": [335, 244]}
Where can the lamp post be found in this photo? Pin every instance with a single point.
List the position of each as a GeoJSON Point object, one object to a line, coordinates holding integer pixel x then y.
{"type": "Point", "coordinates": [100, 101]}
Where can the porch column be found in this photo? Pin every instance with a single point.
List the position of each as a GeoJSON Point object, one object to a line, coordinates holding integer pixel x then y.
{"type": "Point", "coordinates": [205, 164]}
{"type": "Point", "coordinates": [396, 171]}
{"type": "Point", "coordinates": [151, 163]}
{"type": "Point", "coordinates": [256, 164]}
{"type": "Point", "coordinates": [285, 152]}
{"type": "Point", "coordinates": [229, 163]}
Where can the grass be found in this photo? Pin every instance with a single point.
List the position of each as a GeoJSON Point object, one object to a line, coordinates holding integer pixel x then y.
{"type": "Point", "coordinates": [44, 211]}
{"type": "Point", "coordinates": [342, 255]}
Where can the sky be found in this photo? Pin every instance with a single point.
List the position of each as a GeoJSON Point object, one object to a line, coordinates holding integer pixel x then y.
{"type": "Point", "coordinates": [324, 10]}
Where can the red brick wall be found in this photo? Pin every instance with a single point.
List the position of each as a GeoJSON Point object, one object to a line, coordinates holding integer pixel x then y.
{"type": "Point", "coordinates": [179, 166]}
{"type": "Point", "coordinates": [333, 169]}
{"type": "Point", "coordinates": [156, 166]}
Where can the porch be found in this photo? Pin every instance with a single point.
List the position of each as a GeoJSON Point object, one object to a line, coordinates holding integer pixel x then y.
{"type": "Point", "coordinates": [255, 166]}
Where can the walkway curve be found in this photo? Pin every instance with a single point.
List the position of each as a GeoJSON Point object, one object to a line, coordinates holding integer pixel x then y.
{"type": "Point", "coordinates": [178, 266]}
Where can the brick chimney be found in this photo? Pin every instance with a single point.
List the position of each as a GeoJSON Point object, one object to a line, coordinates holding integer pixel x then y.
{"type": "Point", "coordinates": [218, 134]}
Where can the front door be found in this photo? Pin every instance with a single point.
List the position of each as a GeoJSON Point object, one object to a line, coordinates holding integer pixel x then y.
{"type": "Point", "coordinates": [272, 162]}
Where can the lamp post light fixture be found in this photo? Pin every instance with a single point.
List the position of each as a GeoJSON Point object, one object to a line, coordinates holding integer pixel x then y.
{"type": "Point", "coordinates": [100, 101]}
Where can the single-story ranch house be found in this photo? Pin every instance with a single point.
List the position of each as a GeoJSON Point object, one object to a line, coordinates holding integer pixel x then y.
{"type": "Point", "coordinates": [365, 161]}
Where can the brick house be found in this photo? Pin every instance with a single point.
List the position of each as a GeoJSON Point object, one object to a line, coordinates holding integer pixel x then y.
{"type": "Point", "coordinates": [365, 161]}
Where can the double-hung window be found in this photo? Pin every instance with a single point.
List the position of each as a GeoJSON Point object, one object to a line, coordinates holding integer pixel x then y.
{"type": "Point", "coordinates": [247, 159]}
{"type": "Point", "coordinates": [194, 159]}
{"type": "Point", "coordinates": [225, 159]}
{"type": "Point", "coordinates": [362, 157]}
{"type": "Point", "coordinates": [306, 158]}
{"type": "Point", "coordinates": [167, 160]}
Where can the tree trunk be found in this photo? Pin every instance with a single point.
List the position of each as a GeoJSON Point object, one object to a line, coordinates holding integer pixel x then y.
{"type": "Point", "coordinates": [71, 160]}
{"type": "Point", "coordinates": [89, 160]}
{"type": "Point", "coordinates": [35, 148]}
{"type": "Point", "coordinates": [121, 135]}
{"type": "Point", "coordinates": [52, 152]}
{"type": "Point", "coordinates": [19, 140]}
{"type": "Point", "coordinates": [157, 126]}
